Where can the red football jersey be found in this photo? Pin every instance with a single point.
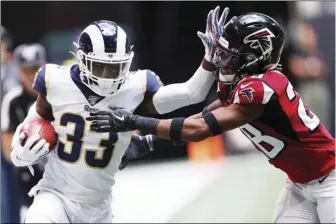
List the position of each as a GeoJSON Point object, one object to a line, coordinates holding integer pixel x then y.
{"type": "Point", "coordinates": [288, 133]}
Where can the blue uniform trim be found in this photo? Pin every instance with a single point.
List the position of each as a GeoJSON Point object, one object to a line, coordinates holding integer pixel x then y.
{"type": "Point", "coordinates": [153, 82]}
{"type": "Point", "coordinates": [74, 73]}
{"type": "Point", "coordinates": [39, 83]}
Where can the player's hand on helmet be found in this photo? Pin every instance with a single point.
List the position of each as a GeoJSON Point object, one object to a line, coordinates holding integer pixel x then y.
{"type": "Point", "coordinates": [30, 152]}
{"type": "Point", "coordinates": [116, 119]}
{"type": "Point", "coordinates": [138, 147]}
{"type": "Point", "coordinates": [214, 30]}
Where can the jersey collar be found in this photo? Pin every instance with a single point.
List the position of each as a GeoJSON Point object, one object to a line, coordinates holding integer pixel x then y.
{"type": "Point", "coordinates": [92, 97]}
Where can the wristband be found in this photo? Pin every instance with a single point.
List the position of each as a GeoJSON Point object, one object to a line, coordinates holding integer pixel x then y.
{"type": "Point", "coordinates": [176, 128]}
{"type": "Point", "coordinates": [212, 123]}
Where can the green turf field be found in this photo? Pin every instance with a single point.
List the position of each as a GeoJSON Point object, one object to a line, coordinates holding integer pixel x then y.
{"type": "Point", "coordinates": [245, 191]}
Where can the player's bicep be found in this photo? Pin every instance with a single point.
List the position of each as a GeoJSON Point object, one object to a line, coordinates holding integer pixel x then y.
{"type": "Point", "coordinates": [253, 92]}
{"type": "Point", "coordinates": [213, 123]}
{"type": "Point", "coordinates": [146, 106]}
{"type": "Point", "coordinates": [43, 108]}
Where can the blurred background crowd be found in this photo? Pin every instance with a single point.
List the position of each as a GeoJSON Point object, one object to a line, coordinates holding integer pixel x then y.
{"type": "Point", "coordinates": [165, 40]}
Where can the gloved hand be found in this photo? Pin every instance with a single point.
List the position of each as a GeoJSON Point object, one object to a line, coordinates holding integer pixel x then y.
{"type": "Point", "coordinates": [214, 29]}
{"type": "Point", "coordinates": [117, 119]}
{"type": "Point", "coordinates": [29, 153]}
{"type": "Point", "coordinates": [139, 146]}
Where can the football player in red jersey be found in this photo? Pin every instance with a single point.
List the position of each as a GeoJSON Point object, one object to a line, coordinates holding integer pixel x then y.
{"type": "Point", "coordinates": [256, 97]}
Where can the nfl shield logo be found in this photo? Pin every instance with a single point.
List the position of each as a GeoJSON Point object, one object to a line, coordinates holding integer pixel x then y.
{"type": "Point", "coordinates": [93, 99]}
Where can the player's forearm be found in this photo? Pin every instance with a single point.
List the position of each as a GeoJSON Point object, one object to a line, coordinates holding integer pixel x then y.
{"type": "Point", "coordinates": [171, 97]}
{"type": "Point", "coordinates": [212, 123]}
{"type": "Point", "coordinates": [178, 129]}
{"type": "Point", "coordinates": [193, 130]}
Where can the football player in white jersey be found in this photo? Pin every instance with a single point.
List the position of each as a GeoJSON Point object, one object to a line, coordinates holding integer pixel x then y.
{"type": "Point", "coordinates": [79, 175]}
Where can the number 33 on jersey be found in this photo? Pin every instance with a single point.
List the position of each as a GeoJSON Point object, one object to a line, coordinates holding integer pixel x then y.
{"type": "Point", "coordinates": [85, 157]}
{"type": "Point", "coordinates": [288, 133]}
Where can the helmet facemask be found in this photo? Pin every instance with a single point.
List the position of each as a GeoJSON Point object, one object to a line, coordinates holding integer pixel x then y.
{"type": "Point", "coordinates": [228, 63]}
{"type": "Point", "coordinates": [104, 75]}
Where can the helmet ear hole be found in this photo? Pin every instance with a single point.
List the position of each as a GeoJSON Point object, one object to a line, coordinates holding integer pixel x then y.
{"type": "Point", "coordinates": [250, 57]}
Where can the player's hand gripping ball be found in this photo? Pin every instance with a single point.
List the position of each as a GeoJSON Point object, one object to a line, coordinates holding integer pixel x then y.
{"type": "Point", "coordinates": [43, 128]}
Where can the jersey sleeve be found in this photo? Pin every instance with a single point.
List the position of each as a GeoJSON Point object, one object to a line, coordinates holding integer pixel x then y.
{"type": "Point", "coordinates": [153, 82]}
{"type": "Point", "coordinates": [253, 92]}
{"type": "Point", "coordinates": [42, 78]}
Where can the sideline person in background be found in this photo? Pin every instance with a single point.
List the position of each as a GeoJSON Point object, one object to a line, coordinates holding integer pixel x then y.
{"type": "Point", "coordinates": [309, 67]}
{"type": "Point", "coordinates": [9, 82]}
{"type": "Point", "coordinates": [29, 58]}
{"type": "Point", "coordinates": [9, 77]}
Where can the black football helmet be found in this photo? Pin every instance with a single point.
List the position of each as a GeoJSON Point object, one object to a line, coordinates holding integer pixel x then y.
{"type": "Point", "coordinates": [104, 55]}
{"type": "Point", "coordinates": [251, 44]}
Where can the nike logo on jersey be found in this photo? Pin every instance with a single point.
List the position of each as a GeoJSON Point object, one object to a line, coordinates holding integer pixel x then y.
{"type": "Point", "coordinates": [243, 86]}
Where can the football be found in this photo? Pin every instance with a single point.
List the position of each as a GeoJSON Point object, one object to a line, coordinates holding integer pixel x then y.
{"type": "Point", "coordinates": [43, 128]}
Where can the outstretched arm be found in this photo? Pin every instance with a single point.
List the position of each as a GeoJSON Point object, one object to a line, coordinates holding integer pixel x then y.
{"type": "Point", "coordinates": [211, 123]}
{"type": "Point", "coordinates": [171, 97]}
{"type": "Point", "coordinates": [185, 129]}
{"type": "Point", "coordinates": [161, 99]}
{"type": "Point", "coordinates": [141, 145]}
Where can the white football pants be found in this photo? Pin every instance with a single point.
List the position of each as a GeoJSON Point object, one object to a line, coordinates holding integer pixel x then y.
{"type": "Point", "coordinates": [313, 202]}
{"type": "Point", "coordinates": [49, 207]}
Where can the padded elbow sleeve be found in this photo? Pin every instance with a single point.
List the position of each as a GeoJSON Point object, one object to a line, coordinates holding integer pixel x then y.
{"type": "Point", "coordinates": [171, 97]}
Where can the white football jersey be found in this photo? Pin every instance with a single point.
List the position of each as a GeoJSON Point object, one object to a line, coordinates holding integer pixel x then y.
{"type": "Point", "coordinates": [83, 165]}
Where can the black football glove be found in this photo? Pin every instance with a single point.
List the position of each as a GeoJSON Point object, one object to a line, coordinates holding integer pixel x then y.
{"type": "Point", "coordinates": [139, 146]}
{"type": "Point", "coordinates": [116, 119]}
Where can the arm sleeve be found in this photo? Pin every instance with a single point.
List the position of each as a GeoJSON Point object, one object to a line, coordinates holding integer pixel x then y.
{"type": "Point", "coordinates": [171, 97]}
{"type": "Point", "coordinates": [253, 92]}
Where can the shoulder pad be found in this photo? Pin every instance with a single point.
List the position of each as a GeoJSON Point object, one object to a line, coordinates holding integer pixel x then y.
{"type": "Point", "coordinates": [153, 82]}
{"type": "Point", "coordinates": [276, 80]}
{"type": "Point", "coordinates": [252, 91]}
{"type": "Point", "coordinates": [133, 72]}
{"type": "Point", "coordinates": [42, 78]}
